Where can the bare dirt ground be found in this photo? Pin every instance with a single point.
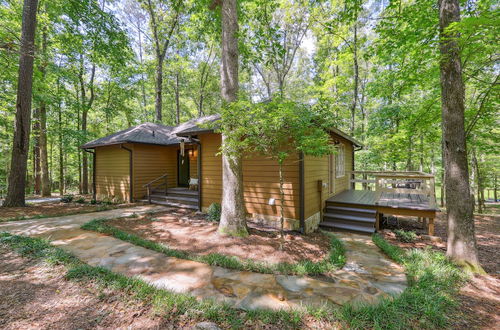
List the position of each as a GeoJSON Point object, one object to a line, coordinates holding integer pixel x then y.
{"type": "Point", "coordinates": [53, 209]}
{"type": "Point", "coordinates": [480, 298]}
{"type": "Point", "coordinates": [187, 231]}
{"type": "Point", "coordinates": [36, 296]}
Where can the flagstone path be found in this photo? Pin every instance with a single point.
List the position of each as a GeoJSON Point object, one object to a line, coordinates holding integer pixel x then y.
{"type": "Point", "coordinates": [367, 276]}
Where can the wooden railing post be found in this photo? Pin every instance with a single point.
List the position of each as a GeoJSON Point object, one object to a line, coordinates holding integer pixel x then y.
{"type": "Point", "coordinates": [166, 186]}
{"type": "Point", "coordinates": [149, 194]}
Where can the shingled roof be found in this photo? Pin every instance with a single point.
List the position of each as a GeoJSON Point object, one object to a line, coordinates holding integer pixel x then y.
{"type": "Point", "coordinates": [197, 126]}
{"type": "Point", "coordinates": [148, 133]}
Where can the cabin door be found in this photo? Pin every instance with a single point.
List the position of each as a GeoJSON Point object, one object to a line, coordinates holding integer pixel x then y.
{"type": "Point", "coordinates": [182, 169]}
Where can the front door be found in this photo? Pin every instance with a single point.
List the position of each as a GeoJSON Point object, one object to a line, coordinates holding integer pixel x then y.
{"type": "Point", "coordinates": [183, 169]}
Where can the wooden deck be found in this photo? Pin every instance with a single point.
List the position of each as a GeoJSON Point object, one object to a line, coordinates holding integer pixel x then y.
{"type": "Point", "coordinates": [393, 203]}
{"type": "Point", "coordinates": [385, 199]}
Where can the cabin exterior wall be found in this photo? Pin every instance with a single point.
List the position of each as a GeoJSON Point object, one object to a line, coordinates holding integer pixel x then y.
{"type": "Point", "coordinates": [324, 169]}
{"type": "Point", "coordinates": [260, 181]}
{"type": "Point", "coordinates": [112, 173]}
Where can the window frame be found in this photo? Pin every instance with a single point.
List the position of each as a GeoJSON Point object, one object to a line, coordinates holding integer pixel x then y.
{"type": "Point", "coordinates": [340, 161]}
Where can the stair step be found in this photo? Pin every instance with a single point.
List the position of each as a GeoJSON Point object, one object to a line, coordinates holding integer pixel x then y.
{"type": "Point", "coordinates": [346, 217]}
{"type": "Point", "coordinates": [176, 199]}
{"type": "Point", "coordinates": [179, 205]}
{"type": "Point", "coordinates": [175, 192]}
{"type": "Point", "coordinates": [334, 209]}
{"type": "Point", "coordinates": [348, 227]}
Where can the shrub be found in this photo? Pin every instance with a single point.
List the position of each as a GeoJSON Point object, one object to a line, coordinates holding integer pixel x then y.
{"type": "Point", "coordinates": [405, 236]}
{"type": "Point", "coordinates": [67, 198]}
{"type": "Point", "coordinates": [93, 202]}
{"type": "Point", "coordinates": [80, 200]}
{"type": "Point", "coordinates": [214, 211]}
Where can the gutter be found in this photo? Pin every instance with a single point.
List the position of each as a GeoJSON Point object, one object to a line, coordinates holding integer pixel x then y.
{"type": "Point", "coordinates": [93, 172]}
{"type": "Point", "coordinates": [301, 194]}
{"type": "Point", "coordinates": [131, 176]}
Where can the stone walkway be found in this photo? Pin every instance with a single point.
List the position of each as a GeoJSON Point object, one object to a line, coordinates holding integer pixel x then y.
{"type": "Point", "coordinates": [367, 276]}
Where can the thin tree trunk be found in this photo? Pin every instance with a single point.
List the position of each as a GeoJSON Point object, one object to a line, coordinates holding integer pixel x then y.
{"type": "Point", "coordinates": [42, 133]}
{"type": "Point", "coordinates": [443, 179]}
{"type": "Point", "coordinates": [233, 217]}
{"type": "Point", "coordinates": [44, 161]}
{"type": "Point", "coordinates": [477, 175]}
{"type": "Point", "coordinates": [159, 88]}
{"type": "Point", "coordinates": [37, 173]}
{"type": "Point", "coordinates": [495, 188]}
{"type": "Point", "coordinates": [177, 101]}
{"type": "Point", "coordinates": [421, 153]}
{"type": "Point", "coordinates": [461, 244]}
{"type": "Point", "coordinates": [20, 146]}
{"type": "Point", "coordinates": [409, 163]}
{"type": "Point", "coordinates": [61, 153]}
{"type": "Point", "coordinates": [356, 77]}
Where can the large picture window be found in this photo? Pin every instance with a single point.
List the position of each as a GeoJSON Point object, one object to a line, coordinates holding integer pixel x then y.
{"type": "Point", "coordinates": [340, 161]}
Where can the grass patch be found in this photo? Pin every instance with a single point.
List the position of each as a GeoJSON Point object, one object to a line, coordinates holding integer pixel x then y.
{"type": "Point", "coordinates": [335, 259]}
{"type": "Point", "coordinates": [427, 303]}
{"type": "Point", "coordinates": [405, 236]}
{"type": "Point", "coordinates": [165, 303]}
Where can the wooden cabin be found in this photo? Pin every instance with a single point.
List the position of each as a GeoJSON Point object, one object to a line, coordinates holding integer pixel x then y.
{"type": "Point", "coordinates": [181, 166]}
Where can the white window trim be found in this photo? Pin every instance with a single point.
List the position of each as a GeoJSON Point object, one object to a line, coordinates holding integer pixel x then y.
{"type": "Point", "coordinates": [340, 161]}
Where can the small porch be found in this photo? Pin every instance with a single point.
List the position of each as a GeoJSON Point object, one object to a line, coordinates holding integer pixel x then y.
{"type": "Point", "coordinates": [379, 194]}
{"type": "Point", "coordinates": [179, 187]}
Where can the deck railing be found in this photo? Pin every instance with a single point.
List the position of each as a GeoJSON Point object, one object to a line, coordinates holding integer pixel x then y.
{"type": "Point", "coordinates": [394, 182]}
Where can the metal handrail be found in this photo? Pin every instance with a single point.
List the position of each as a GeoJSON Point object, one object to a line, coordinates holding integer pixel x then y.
{"type": "Point", "coordinates": [158, 178]}
{"type": "Point", "coordinates": [148, 186]}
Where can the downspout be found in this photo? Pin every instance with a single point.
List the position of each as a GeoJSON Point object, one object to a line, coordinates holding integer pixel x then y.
{"type": "Point", "coordinates": [131, 176]}
{"type": "Point", "coordinates": [93, 172]}
{"type": "Point", "coordinates": [301, 194]}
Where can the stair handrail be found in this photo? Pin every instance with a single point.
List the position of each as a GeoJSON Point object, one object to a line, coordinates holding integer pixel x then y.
{"type": "Point", "coordinates": [148, 186]}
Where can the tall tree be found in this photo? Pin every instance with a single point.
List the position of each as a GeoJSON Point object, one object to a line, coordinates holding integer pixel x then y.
{"type": "Point", "coordinates": [461, 244]}
{"type": "Point", "coordinates": [163, 19]}
{"type": "Point", "coordinates": [44, 160]}
{"type": "Point", "coordinates": [233, 217]}
{"type": "Point", "coordinates": [20, 145]}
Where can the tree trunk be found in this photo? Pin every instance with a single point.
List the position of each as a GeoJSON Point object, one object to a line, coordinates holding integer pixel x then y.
{"type": "Point", "coordinates": [20, 146]}
{"type": "Point", "coordinates": [177, 101]}
{"type": "Point", "coordinates": [409, 160]}
{"type": "Point", "coordinates": [159, 88]}
{"type": "Point", "coordinates": [44, 161]}
{"type": "Point", "coordinates": [356, 77]}
{"type": "Point", "coordinates": [37, 173]}
{"type": "Point", "coordinates": [85, 159]}
{"type": "Point", "coordinates": [461, 245]}
{"type": "Point", "coordinates": [495, 189]}
{"type": "Point", "coordinates": [233, 217]}
{"type": "Point", "coordinates": [443, 179]}
{"type": "Point", "coordinates": [61, 153]}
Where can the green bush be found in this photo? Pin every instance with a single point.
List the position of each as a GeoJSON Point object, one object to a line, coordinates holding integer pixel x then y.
{"type": "Point", "coordinates": [80, 200]}
{"type": "Point", "coordinates": [405, 236]}
{"type": "Point", "coordinates": [67, 198]}
{"type": "Point", "coordinates": [214, 211]}
{"type": "Point", "coordinates": [93, 202]}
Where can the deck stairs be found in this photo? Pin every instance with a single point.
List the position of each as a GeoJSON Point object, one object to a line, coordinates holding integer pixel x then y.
{"type": "Point", "coordinates": [347, 217]}
{"type": "Point", "coordinates": [176, 197]}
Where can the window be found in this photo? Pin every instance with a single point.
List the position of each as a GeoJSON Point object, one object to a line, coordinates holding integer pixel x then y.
{"type": "Point", "coordinates": [340, 161]}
